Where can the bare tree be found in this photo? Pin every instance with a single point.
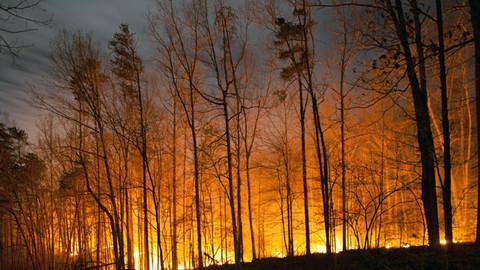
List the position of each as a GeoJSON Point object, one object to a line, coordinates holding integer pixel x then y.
{"type": "Point", "coordinates": [474, 15]}
{"type": "Point", "coordinates": [77, 59]}
{"type": "Point", "coordinates": [16, 22]}
{"type": "Point", "coordinates": [447, 166]}
{"type": "Point", "coordinates": [181, 62]}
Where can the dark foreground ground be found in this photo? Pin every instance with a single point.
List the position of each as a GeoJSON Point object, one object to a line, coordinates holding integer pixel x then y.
{"type": "Point", "coordinates": [464, 256]}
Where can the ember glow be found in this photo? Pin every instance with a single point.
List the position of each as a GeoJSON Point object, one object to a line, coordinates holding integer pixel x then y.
{"type": "Point", "coordinates": [233, 133]}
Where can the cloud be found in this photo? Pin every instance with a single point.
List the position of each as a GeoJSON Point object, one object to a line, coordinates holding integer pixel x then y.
{"type": "Point", "coordinates": [100, 17]}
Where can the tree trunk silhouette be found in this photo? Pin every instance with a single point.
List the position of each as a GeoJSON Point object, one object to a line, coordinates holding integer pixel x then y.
{"type": "Point", "coordinates": [447, 167]}
{"type": "Point", "coordinates": [474, 17]}
{"type": "Point", "coordinates": [424, 132]}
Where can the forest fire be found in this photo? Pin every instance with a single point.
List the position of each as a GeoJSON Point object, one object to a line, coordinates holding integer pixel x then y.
{"type": "Point", "coordinates": [274, 134]}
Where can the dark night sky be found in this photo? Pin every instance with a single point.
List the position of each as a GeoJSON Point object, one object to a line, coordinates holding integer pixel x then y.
{"type": "Point", "coordinates": [101, 17]}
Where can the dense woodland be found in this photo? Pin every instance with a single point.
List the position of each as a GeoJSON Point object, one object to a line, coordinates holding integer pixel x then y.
{"type": "Point", "coordinates": [254, 129]}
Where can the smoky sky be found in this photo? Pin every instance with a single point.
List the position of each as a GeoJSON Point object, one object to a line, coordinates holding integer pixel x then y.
{"type": "Point", "coordinates": [101, 18]}
{"type": "Point", "coordinates": [20, 74]}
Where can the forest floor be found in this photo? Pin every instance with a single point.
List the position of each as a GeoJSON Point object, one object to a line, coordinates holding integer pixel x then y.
{"type": "Point", "coordinates": [459, 257]}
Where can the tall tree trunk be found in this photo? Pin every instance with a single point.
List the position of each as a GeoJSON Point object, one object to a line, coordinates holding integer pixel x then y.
{"type": "Point", "coordinates": [248, 153]}
{"type": "Point", "coordinates": [304, 167]}
{"type": "Point", "coordinates": [382, 185]}
{"type": "Point", "coordinates": [288, 197]}
{"type": "Point", "coordinates": [174, 184]}
{"type": "Point", "coordinates": [249, 205]}
{"type": "Point", "coordinates": [143, 153]}
{"type": "Point", "coordinates": [342, 137]}
{"type": "Point", "coordinates": [128, 214]}
{"type": "Point", "coordinates": [230, 180]}
{"type": "Point", "coordinates": [475, 19]}
{"type": "Point", "coordinates": [184, 203]}
{"type": "Point", "coordinates": [424, 132]}
{"type": "Point", "coordinates": [197, 178]}
{"type": "Point", "coordinates": [447, 183]}
{"type": "Point", "coordinates": [157, 208]}
{"type": "Point", "coordinates": [130, 244]}
{"type": "Point", "coordinates": [239, 176]}
{"type": "Point", "coordinates": [320, 145]}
